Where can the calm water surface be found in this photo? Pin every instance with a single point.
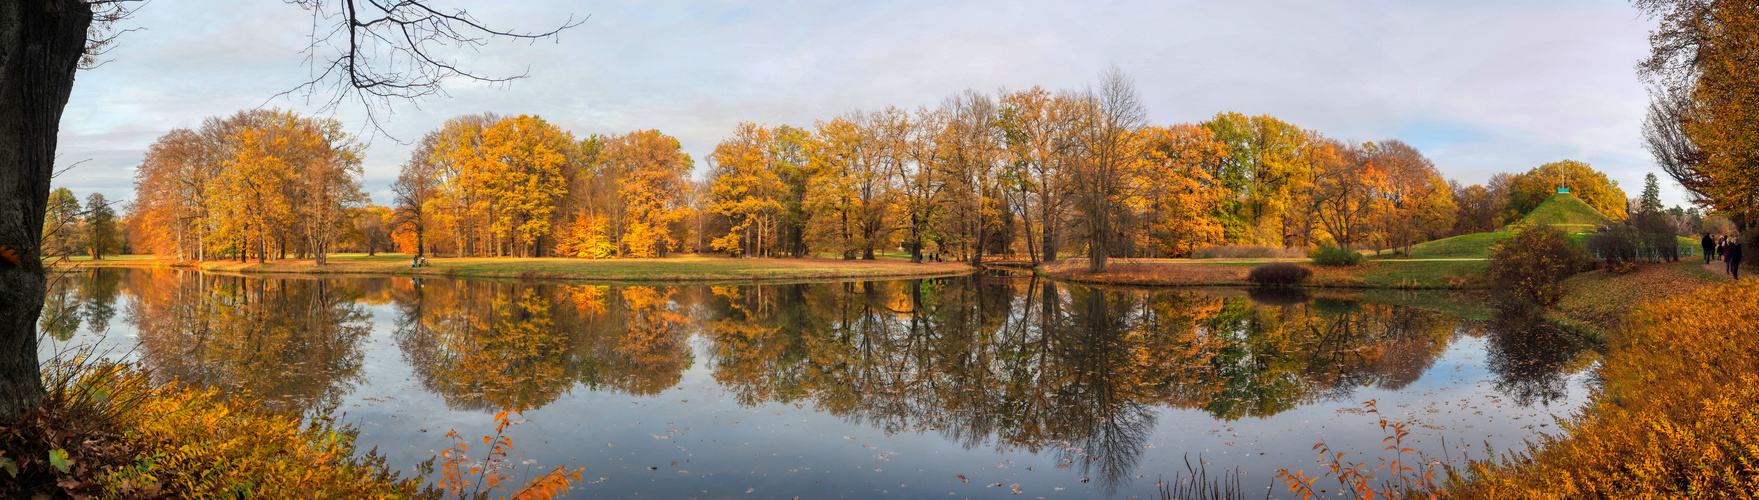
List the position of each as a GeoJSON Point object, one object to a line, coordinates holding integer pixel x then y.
{"type": "Point", "coordinates": [972, 387]}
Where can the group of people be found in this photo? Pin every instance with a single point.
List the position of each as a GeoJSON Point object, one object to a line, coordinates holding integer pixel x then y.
{"type": "Point", "coordinates": [1727, 248]}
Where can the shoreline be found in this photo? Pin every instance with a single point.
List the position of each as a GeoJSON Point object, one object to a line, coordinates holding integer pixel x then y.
{"type": "Point", "coordinates": [1372, 274]}
{"type": "Point", "coordinates": [672, 270]}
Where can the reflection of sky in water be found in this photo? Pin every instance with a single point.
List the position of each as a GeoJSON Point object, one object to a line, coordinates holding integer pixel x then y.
{"type": "Point", "coordinates": [694, 440]}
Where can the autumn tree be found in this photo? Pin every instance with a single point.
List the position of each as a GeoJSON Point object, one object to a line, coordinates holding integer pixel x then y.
{"type": "Point", "coordinates": [746, 186]}
{"type": "Point", "coordinates": [282, 183]}
{"type": "Point", "coordinates": [1176, 195]}
{"type": "Point", "coordinates": [850, 196]}
{"type": "Point", "coordinates": [649, 170]}
{"type": "Point", "coordinates": [1527, 190]}
{"type": "Point", "coordinates": [1036, 127]}
{"type": "Point", "coordinates": [171, 188]}
{"type": "Point", "coordinates": [102, 237]}
{"type": "Point", "coordinates": [1112, 116]}
{"type": "Point", "coordinates": [916, 171]}
{"type": "Point", "coordinates": [1263, 173]}
{"type": "Point", "coordinates": [1478, 208]}
{"type": "Point", "coordinates": [1342, 198]}
{"type": "Point", "coordinates": [417, 185]}
{"type": "Point", "coordinates": [1705, 97]}
{"type": "Point", "coordinates": [528, 157]}
{"type": "Point", "coordinates": [61, 224]}
{"type": "Point", "coordinates": [370, 228]}
{"type": "Point", "coordinates": [970, 159]}
{"type": "Point", "coordinates": [1415, 202]}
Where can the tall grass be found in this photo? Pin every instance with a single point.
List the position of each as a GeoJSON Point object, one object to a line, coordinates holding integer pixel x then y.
{"type": "Point", "coordinates": [1196, 484]}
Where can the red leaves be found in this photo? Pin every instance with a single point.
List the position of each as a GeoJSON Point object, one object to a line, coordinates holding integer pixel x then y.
{"type": "Point", "coordinates": [1356, 476]}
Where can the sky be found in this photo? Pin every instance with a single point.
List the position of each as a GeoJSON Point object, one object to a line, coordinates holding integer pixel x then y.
{"type": "Point", "coordinates": [1480, 87]}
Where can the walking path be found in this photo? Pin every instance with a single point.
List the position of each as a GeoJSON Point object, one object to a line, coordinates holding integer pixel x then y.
{"type": "Point", "coordinates": [1719, 268]}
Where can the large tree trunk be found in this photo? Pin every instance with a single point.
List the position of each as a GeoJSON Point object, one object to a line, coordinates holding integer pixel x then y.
{"type": "Point", "coordinates": [40, 45]}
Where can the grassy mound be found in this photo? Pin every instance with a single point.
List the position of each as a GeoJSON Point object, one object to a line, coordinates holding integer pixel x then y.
{"type": "Point", "coordinates": [1465, 246]}
{"type": "Point", "coordinates": [1564, 211]}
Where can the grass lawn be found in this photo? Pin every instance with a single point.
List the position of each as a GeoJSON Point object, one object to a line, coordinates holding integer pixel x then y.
{"type": "Point", "coordinates": [1419, 273]}
{"type": "Point", "coordinates": [689, 268]}
{"type": "Point", "coordinates": [113, 258]}
{"type": "Point", "coordinates": [1473, 246]}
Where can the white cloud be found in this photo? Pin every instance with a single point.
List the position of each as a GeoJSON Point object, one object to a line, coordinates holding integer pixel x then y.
{"type": "Point", "coordinates": [1482, 87]}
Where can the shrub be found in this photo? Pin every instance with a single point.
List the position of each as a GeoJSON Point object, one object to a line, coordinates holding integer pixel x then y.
{"type": "Point", "coordinates": [1631, 243]}
{"type": "Point", "coordinates": [1528, 269]}
{"type": "Point", "coordinates": [1246, 252]}
{"type": "Point", "coordinates": [1278, 273]}
{"type": "Point", "coordinates": [1336, 257]}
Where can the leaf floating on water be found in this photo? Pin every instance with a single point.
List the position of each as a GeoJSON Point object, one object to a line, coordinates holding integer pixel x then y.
{"type": "Point", "coordinates": [962, 477]}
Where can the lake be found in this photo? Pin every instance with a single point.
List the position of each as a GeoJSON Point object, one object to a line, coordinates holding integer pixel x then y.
{"type": "Point", "coordinates": [965, 387]}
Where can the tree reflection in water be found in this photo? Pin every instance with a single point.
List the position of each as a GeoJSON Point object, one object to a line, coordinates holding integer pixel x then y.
{"type": "Point", "coordinates": [1533, 359]}
{"type": "Point", "coordinates": [491, 346]}
{"type": "Point", "coordinates": [1075, 372]}
{"type": "Point", "coordinates": [1042, 366]}
{"type": "Point", "coordinates": [293, 343]}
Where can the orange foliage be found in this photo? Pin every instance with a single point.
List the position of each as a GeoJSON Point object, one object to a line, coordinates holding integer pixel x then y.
{"type": "Point", "coordinates": [465, 478]}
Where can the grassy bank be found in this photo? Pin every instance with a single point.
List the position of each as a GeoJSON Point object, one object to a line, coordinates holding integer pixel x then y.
{"type": "Point", "coordinates": [690, 269]}
{"type": "Point", "coordinates": [1596, 303]}
{"type": "Point", "coordinates": [1424, 274]}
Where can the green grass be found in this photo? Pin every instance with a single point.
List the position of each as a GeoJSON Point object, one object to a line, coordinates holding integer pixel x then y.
{"type": "Point", "coordinates": [1564, 211]}
{"type": "Point", "coordinates": [119, 258]}
{"type": "Point", "coordinates": [688, 268]}
{"type": "Point", "coordinates": [1419, 273]}
{"type": "Point", "coordinates": [1465, 246]}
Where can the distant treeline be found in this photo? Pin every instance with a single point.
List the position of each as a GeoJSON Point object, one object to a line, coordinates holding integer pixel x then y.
{"type": "Point", "coordinates": [1031, 174]}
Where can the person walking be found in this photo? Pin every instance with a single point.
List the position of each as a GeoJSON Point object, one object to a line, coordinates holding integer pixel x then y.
{"type": "Point", "coordinates": [1733, 255]}
{"type": "Point", "coordinates": [1709, 248]}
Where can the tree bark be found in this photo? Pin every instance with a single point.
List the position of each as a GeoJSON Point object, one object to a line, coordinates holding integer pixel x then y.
{"type": "Point", "coordinates": [41, 42]}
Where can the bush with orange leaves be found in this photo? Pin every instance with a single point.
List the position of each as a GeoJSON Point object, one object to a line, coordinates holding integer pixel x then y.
{"type": "Point", "coordinates": [1677, 415]}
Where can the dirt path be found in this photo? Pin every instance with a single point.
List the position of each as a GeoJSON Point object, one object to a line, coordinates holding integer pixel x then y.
{"type": "Point", "coordinates": [1718, 268]}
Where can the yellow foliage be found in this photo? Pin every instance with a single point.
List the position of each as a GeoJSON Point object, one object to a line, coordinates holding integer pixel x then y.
{"type": "Point", "coordinates": [201, 445]}
{"type": "Point", "coordinates": [587, 237]}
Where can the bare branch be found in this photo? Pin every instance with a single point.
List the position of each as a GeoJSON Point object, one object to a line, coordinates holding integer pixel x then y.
{"type": "Point", "coordinates": [378, 52]}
